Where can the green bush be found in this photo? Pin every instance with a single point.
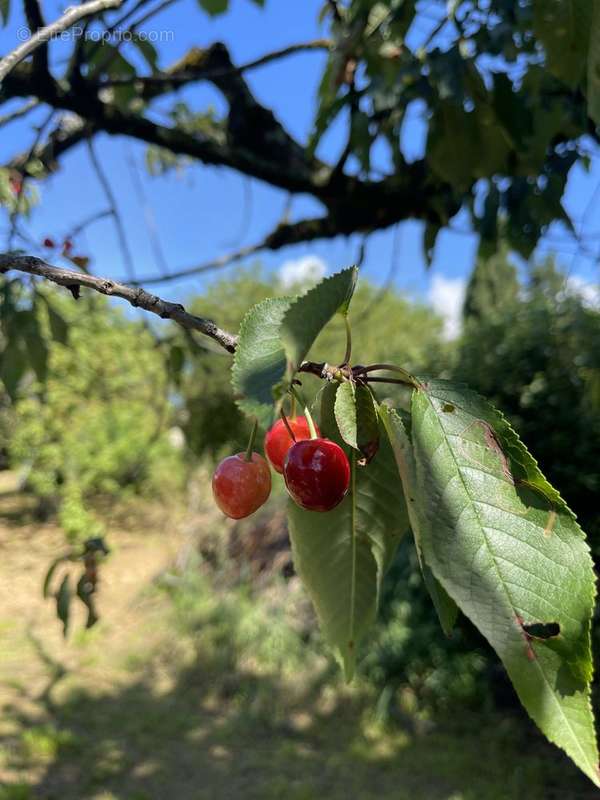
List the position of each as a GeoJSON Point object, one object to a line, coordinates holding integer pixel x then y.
{"type": "Point", "coordinates": [98, 424]}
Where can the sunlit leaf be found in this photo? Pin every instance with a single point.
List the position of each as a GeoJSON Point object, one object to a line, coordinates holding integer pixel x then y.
{"type": "Point", "coordinates": [506, 548]}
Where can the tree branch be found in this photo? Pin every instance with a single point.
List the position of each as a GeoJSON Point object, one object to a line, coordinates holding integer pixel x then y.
{"type": "Point", "coordinates": [137, 297]}
{"type": "Point", "coordinates": [72, 15]}
{"type": "Point", "coordinates": [171, 80]}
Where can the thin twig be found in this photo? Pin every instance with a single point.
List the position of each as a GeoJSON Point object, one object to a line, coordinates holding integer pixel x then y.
{"type": "Point", "coordinates": [19, 112]}
{"type": "Point", "coordinates": [209, 266]}
{"type": "Point", "coordinates": [150, 219]}
{"type": "Point", "coordinates": [81, 226]}
{"type": "Point", "coordinates": [119, 227]}
{"type": "Point", "coordinates": [136, 296]}
{"type": "Point", "coordinates": [72, 15]}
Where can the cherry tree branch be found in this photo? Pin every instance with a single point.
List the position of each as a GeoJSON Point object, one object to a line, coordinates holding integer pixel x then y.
{"type": "Point", "coordinates": [173, 79]}
{"type": "Point", "coordinates": [136, 296]}
{"type": "Point", "coordinates": [72, 15]}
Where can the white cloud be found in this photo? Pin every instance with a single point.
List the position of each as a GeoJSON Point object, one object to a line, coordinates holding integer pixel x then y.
{"type": "Point", "coordinates": [446, 296]}
{"type": "Point", "coordinates": [303, 271]}
{"type": "Point", "coordinates": [587, 291]}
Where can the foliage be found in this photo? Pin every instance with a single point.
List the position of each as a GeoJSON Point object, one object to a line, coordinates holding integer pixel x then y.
{"type": "Point", "coordinates": [537, 360]}
{"type": "Point", "coordinates": [384, 325]}
{"type": "Point", "coordinates": [97, 424]}
{"type": "Point", "coordinates": [517, 565]}
{"type": "Point", "coordinates": [408, 661]}
{"type": "Point", "coordinates": [508, 79]}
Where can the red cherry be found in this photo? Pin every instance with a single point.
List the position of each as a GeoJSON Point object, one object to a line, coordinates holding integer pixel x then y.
{"type": "Point", "coordinates": [16, 184]}
{"type": "Point", "coordinates": [67, 246]}
{"type": "Point", "coordinates": [317, 474]}
{"type": "Point", "coordinates": [278, 440]}
{"type": "Point", "coordinates": [48, 242]}
{"type": "Point", "coordinates": [240, 486]}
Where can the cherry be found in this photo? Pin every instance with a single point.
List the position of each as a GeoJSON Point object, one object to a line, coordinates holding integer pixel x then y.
{"type": "Point", "coordinates": [278, 440]}
{"type": "Point", "coordinates": [241, 486]}
{"type": "Point", "coordinates": [67, 246]}
{"type": "Point", "coordinates": [317, 474]}
{"type": "Point", "coordinates": [16, 184]}
{"type": "Point", "coordinates": [48, 242]}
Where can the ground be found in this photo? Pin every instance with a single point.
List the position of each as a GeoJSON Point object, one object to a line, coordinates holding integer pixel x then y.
{"type": "Point", "coordinates": [139, 709]}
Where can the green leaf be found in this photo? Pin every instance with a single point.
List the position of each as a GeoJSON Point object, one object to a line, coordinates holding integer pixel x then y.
{"type": "Point", "coordinates": [445, 607]}
{"type": "Point", "coordinates": [307, 315]}
{"type": "Point", "coordinates": [593, 89]}
{"type": "Point", "coordinates": [341, 556]}
{"type": "Point", "coordinates": [506, 548]}
{"type": "Point", "coordinates": [430, 234]}
{"type": "Point", "coordinates": [63, 603]}
{"type": "Point", "coordinates": [356, 417]}
{"type": "Point", "coordinates": [563, 27]}
{"type": "Point", "coordinates": [330, 104]}
{"type": "Point", "coordinates": [58, 327]}
{"type": "Point", "coordinates": [147, 50]}
{"type": "Point", "coordinates": [50, 574]}
{"type": "Point", "coordinates": [4, 11]}
{"type": "Point", "coordinates": [175, 363]}
{"type": "Point", "coordinates": [85, 592]}
{"type": "Point", "coordinates": [259, 364]}
{"type": "Point", "coordinates": [35, 344]}
{"type": "Point", "coordinates": [13, 361]}
{"type": "Point", "coordinates": [214, 7]}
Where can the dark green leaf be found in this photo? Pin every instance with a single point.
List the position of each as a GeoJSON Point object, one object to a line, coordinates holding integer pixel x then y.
{"type": "Point", "coordinates": [4, 10]}
{"type": "Point", "coordinates": [85, 592]}
{"type": "Point", "coordinates": [357, 419]}
{"type": "Point", "coordinates": [175, 363]}
{"type": "Point", "coordinates": [147, 50]}
{"type": "Point", "coordinates": [58, 327]}
{"type": "Point", "coordinates": [330, 102]}
{"type": "Point", "coordinates": [397, 430]}
{"type": "Point", "coordinates": [308, 315]}
{"type": "Point", "coordinates": [37, 350]}
{"type": "Point", "coordinates": [214, 7]}
{"type": "Point", "coordinates": [361, 139]}
{"type": "Point", "coordinates": [259, 363]}
{"type": "Point", "coordinates": [13, 360]}
{"type": "Point", "coordinates": [63, 603]}
{"type": "Point", "coordinates": [593, 87]}
{"type": "Point", "coordinates": [50, 574]}
{"type": "Point", "coordinates": [506, 548]}
{"type": "Point", "coordinates": [563, 27]}
{"type": "Point", "coordinates": [342, 555]}
{"type": "Point", "coordinates": [430, 234]}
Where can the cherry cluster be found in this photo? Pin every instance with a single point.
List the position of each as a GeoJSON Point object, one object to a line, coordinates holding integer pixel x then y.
{"type": "Point", "coordinates": [316, 471]}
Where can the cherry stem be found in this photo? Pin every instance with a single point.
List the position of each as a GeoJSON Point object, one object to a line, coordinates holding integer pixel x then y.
{"type": "Point", "coordinates": [348, 353]}
{"type": "Point", "coordinates": [250, 448]}
{"type": "Point", "coordinates": [408, 378]}
{"type": "Point", "coordinates": [293, 406]}
{"type": "Point", "coordinates": [307, 414]}
{"type": "Point", "coordinates": [389, 380]}
{"type": "Point", "coordinates": [287, 425]}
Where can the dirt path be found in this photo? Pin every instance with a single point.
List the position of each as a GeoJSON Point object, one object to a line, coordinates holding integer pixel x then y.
{"type": "Point", "coordinates": [37, 666]}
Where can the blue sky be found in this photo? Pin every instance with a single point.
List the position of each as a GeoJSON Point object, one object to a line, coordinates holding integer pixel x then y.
{"type": "Point", "coordinates": [209, 211]}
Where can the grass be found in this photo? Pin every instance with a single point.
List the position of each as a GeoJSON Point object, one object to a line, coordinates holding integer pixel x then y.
{"type": "Point", "coordinates": [198, 690]}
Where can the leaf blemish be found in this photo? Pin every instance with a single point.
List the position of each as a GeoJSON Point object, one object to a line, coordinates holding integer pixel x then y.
{"type": "Point", "coordinates": [550, 523]}
{"type": "Point", "coordinates": [528, 648]}
{"type": "Point", "coordinates": [448, 407]}
{"type": "Point", "coordinates": [541, 630]}
{"type": "Point", "coordinates": [492, 442]}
